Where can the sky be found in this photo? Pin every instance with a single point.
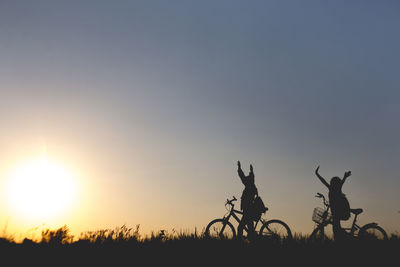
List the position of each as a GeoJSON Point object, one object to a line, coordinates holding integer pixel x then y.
{"type": "Point", "coordinates": [151, 104]}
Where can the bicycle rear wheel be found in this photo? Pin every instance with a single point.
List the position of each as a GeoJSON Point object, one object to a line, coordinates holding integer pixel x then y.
{"type": "Point", "coordinates": [275, 229]}
{"type": "Point", "coordinates": [372, 232]}
{"type": "Point", "coordinates": [220, 229]}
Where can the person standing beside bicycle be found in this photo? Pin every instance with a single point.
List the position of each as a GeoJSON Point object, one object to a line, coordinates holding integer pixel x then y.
{"type": "Point", "coordinates": [246, 204]}
{"type": "Point", "coordinates": [339, 204]}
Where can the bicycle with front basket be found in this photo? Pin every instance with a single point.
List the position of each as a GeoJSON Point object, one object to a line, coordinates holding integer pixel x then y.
{"type": "Point", "coordinates": [222, 228]}
{"type": "Point", "coordinates": [323, 217]}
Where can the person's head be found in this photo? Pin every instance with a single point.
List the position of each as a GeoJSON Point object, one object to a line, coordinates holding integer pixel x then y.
{"type": "Point", "coordinates": [335, 183]}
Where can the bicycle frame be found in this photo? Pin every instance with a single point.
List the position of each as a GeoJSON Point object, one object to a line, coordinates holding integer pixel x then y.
{"type": "Point", "coordinates": [351, 230]}
{"type": "Point", "coordinates": [262, 227]}
{"type": "Point", "coordinates": [354, 227]}
{"type": "Point", "coordinates": [233, 213]}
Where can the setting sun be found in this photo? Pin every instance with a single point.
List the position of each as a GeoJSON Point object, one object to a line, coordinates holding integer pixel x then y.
{"type": "Point", "coordinates": [41, 189]}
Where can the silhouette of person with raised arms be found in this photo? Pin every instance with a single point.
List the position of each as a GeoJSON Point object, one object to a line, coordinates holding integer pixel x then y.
{"type": "Point", "coordinates": [339, 204]}
{"type": "Point", "coordinates": [247, 198]}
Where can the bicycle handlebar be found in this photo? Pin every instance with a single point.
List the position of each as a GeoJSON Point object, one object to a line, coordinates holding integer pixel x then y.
{"type": "Point", "coordinates": [230, 202]}
{"type": "Point", "coordinates": [319, 195]}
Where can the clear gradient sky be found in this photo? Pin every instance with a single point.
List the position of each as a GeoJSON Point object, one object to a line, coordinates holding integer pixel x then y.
{"type": "Point", "coordinates": [151, 103]}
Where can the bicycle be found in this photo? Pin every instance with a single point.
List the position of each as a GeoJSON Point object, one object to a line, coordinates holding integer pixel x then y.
{"type": "Point", "coordinates": [222, 228]}
{"type": "Point", "coordinates": [322, 217]}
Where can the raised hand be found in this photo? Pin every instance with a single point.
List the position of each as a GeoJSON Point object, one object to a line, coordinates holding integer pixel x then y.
{"type": "Point", "coordinates": [251, 168]}
{"type": "Point", "coordinates": [316, 170]}
{"type": "Point", "coordinates": [347, 174]}
{"type": "Point", "coordinates": [238, 164]}
{"type": "Point", "coordinates": [320, 177]}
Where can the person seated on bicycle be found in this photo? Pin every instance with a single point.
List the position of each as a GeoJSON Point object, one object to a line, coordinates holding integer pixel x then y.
{"type": "Point", "coordinates": [247, 198]}
{"type": "Point", "coordinates": [339, 204]}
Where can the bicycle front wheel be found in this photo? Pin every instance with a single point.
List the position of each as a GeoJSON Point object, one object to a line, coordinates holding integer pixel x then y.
{"type": "Point", "coordinates": [319, 234]}
{"type": "Point", "coordinates": [372, 232]}
{"type": "Point", "coordinates": [275, 229]}
{"type": "Point", "coordinates": [220, 229]}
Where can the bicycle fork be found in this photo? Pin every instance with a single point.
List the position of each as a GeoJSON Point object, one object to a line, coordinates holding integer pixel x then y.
{"type": "Point", "coordinates": [226, 221]}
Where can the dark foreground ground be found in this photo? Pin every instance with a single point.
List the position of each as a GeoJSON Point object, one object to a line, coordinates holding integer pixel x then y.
{"type": "Point", "coordinates": [102, 249]}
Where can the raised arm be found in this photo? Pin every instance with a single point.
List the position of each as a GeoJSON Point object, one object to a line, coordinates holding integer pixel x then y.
{"type": "Point", "coordinates": [240, 172]}
{"type": "Point", "coordinates": [251, 174]}
{"type": "Point", "coordinates": [321, 178]}
{"type": "Point", "coordinates": [346, 174]}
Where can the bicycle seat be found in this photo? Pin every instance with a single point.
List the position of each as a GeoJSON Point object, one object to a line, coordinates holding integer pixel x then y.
{"type": "Point", "coordinates": [356, 211]}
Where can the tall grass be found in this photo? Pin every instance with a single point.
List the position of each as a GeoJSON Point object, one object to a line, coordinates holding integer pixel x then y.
{"type": "Point", "coordinates": [124, 234]}
{"type": "Point", "coordinates": [127, 244]}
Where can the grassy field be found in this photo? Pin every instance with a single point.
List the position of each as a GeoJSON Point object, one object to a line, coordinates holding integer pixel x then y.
{"type": "Point", "coordinates": [125, 246]}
